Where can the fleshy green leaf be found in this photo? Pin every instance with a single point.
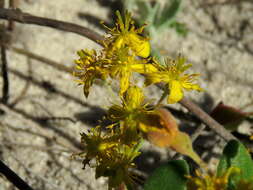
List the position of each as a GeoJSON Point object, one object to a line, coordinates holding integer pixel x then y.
{"type": "Point", "coordinates": [179, 27]}
{"type": "Point", "coordinates": [170, 176]}
{"type": "Point", "coordinates": [147, 13]}
{"type": "Point", "coordinates": [182, 144]}
{"type": "Point", "coordinates": [236, 155]}
{"type": "Point", "coordinates": [168, 13]}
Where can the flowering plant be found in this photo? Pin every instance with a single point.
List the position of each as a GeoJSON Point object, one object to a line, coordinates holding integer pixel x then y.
{"type": "Point", "coordinates": [126, 51]}
{"type": "Point", "coordinates": [234, 172]}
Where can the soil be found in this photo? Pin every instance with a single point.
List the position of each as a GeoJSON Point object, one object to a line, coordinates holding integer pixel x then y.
{"type": "Point", "coordinates": [41, 130]}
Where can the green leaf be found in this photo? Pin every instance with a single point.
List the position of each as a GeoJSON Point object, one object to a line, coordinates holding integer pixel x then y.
{"type": "Point", "coordinates": [170, 176]}
{"type": "Point", "coordinates": [144, 10]}
{"type": "Point", "coordinates": [180, 28]}
{"type": "Point", "coordinates": [183, 144]}
{"type": "Point", "coordinates": [153, 11]}
{"type": "Point", "coordinates": [168, 13]}
{"type": "Point", "coordinates": [236, 155]}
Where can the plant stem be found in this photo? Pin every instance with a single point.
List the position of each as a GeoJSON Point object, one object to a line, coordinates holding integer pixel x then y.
{"type": "Point", "coordinates": [18, 16]}
{"type": "Point", "coordinates": [5, 76]}
{"type": "Point", "coordinates": [165, 93]}
{"type": "Point", "coordinates": [208, 120]}
{"type": "Point", "coordinates": [13, 177]}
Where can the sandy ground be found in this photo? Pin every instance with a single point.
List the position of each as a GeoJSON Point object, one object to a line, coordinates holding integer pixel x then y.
{"type": "Point", "coordinates": [219, 44]}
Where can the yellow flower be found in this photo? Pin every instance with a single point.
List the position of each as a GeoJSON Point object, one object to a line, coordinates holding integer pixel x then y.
{"type": "Point", "coordinates": [97, 145]}
{"type": "Point", "coordinates": [113, 158]}
{"type": "Point", "coordinates": [125, 34]}
{"type": "Point", "coordinates": [118, 164]}
{"type": "Point", "coordinates": [131, 114]}
{"type": "Point", "coordinates": [132, 104]}
{"type": "Point", "coordinates": [122, 65]}
{"type": "Point", "coordinates": [172, 74]}
{"type": "Point", "coordinates": [211, 182]}
{"type": "Point", "coordinates": [90, 66]}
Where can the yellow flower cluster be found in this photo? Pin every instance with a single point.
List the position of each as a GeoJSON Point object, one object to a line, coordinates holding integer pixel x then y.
{"type": "Point", "coordinates": [213, 182]}
{"type": "Point", "coordinates": [127, 51]}
{"type": "Point", "coordinates": [118, 59]}
{"type": "Point", "coordinates": [113, 158]}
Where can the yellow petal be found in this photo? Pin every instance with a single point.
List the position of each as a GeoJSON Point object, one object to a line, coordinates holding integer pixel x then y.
{"type": "Point", "coordinates": [139, 45]}
{"type": "Point", "coordinates": [134, 97]}
{"type": "Point", "coordinates": [119, 42]}
{"type": "Point", "coordinates": [143, 68]}
{"type": "Point", "coordinates": [152, 78]}
{"type": "Point", "coordinates": [143, 49]}
{"type": "Point", "coordinates": [124, 81]}
{"type": "Point", "coordinates": [190, 86]}
{"type": "Point", "coordinates": [176, 92]}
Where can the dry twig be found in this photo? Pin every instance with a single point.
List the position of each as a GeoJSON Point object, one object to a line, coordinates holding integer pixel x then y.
{"type": "Point", "coordinates": [25, 18]}
{"type": "Point", "coordinates": [4, 66]}
{"type": "Point", "coordinates": [4, 69]}
{"type": "Point", "coordinates": [13, 4]}
{"type": "Point", "coordinates": [13, 177]}
{"type": "Point", "coordinates": [208, 120]}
